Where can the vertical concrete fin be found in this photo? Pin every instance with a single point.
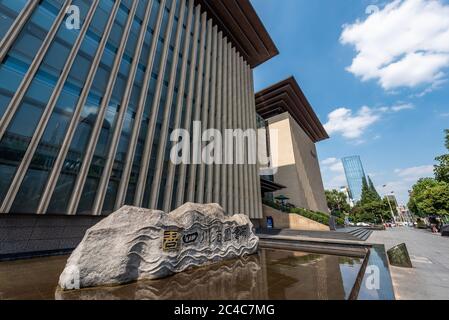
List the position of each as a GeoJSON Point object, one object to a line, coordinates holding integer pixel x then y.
{"type": "Point", "coordinates": [160, 155]}
{"type": "Point", "coordinates": [124, 183]}
{"type": "Point", "coordinates": [142, 183]}
{"type": "Point", "coordinates": [112, 150]}
{"type": "Point", "coordinates": [190, 84]}
{"type": "Point", "coordinates": [82, 175]}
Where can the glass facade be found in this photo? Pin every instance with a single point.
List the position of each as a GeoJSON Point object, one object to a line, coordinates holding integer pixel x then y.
{"type": "Point", "coordinates": [14, 67]}
{"type": "Point", "coordinates": [354, 175]}
{"type": "Point", "coordinates": [88, 106]}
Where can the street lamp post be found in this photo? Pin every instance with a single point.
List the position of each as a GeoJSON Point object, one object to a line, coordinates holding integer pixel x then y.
{"type": "Point", "coordinates": [391, 207]}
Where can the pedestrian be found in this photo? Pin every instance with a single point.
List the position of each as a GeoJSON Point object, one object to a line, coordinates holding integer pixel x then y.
{"type": "Point", "coordinates": [434, 228]}
{"type": "Point", "coordinates": [440, 225]}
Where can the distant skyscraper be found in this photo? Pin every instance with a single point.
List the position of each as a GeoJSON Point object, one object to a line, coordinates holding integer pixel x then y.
{"type": "Point", "coordinates": [354, 175]}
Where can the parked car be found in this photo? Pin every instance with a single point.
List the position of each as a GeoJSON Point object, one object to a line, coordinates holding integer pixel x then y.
{"type": "Point", "coordinates": [421, 224]}
{"type": "Point", "coordinates": [363, 224]}
{"type": "Point", "coordinates": [445, 230]}
{"type": "Point", "coordinates": [390, 224]}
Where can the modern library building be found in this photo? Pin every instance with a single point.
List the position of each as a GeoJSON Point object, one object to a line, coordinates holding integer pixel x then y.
{"type": "Point", "coordinates": [91, 92]}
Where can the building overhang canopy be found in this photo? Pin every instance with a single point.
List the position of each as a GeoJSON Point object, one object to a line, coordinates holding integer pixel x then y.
{"type": "Point", "coordinates": [287, 96]}
{"type": "Point", "coordinates": [241, 25]}
{"type": "Point", "coordinates": [270, 186]}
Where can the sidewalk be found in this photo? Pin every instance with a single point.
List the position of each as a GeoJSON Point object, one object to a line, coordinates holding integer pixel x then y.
{"type": "Point", "coordinates": [429, 279]}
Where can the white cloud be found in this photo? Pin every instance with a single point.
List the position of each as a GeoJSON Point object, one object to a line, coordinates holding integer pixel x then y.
{"type": "Point", "coordinates": [406, 44]}
{"type": "Point", "coordinates": [353, 126]}
{"type": "Point", "coordinates": [415, 173]}
{"type": "Point", "coordinates": [403, 181]}
{"type": "Point", "coordinates": [399, 187]}
{"type": "Point", "coordinates": [329, 161]}
{"type": "Point", "coordinates": [349, 125]}
{"type": "Point", "coordinates": [402, 107]}
{"type": "Point", "coordinates": [333, 164]}
{"type": "Point", "coordinates": [333, 173]}
{"type": "Point", "coordinates": [435, 86]}
{"type": "Point", "coordinates": [335, 182]}
{"type": "Point", "coordinates": [397, 108]}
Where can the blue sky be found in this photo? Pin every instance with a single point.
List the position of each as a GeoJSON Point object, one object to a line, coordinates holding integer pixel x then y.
{"type": "Point", "coordinates": [377, 81]}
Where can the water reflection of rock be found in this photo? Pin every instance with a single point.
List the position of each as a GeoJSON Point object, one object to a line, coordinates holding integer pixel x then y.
{"type": "Point", "coordinates": [234, 280]}
{"type": "Point", "coordinates": [267, 275]}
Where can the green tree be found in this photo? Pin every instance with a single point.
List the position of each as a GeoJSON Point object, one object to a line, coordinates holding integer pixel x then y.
{"type": "Point", "coordinates": [337, 202]}
{"type": "Point", "coordinates": [366, 195]}
{"type": "Point", "coordinates": [372, 212]}
{"type": "Point", "coordinates": [429, 197]}
{"type": "Point", "coordinates": [373, 190]}
{"type": "Point", "coordinates": [417, 191]}
{"type": "Point", "coordinates": [442, 168]}
{"type": "Point", "coordinates": [369, 192]}
{"type": "Point", "coordinates": [357, 214]}
{"type": "Point", "coordinates": [379, 211]}
{"type": "Point", "coordinates": [371, 208]}
{"type": "Point", "coordinates": [388, 206]}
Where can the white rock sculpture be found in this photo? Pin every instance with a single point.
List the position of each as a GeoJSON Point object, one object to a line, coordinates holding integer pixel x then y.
{"type": "Point", "coordinates": [136, 244]}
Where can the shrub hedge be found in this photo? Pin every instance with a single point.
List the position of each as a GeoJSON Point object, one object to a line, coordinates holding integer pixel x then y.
{"type": "Point", "coordinates": [316, 216]}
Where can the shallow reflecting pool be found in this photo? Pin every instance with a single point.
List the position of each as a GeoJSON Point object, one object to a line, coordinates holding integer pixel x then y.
{"type": "Point", "coordinates": [270, 274]}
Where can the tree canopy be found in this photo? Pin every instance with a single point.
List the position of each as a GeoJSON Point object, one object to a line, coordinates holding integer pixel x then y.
{"type": "Point", "coordinates": [372, 212]}
{"type": "Point", "coordinates": [369, 192]}
{"type": "Point", "coordinates": [337, 202]}
{"type": "Point", "coordinates": [371, 208]}
{"type": "Point", "coordinates": [429, 197]}
{"type": "Point", "coordinates": [365, 198]}
{"type": "Point", "coordinates": [373, 190]}
{"type": "Point", "coordinates": [442, 168]}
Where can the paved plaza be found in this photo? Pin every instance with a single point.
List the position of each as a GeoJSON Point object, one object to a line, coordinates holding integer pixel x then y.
{"type": "Point", "coordinates": [429, 279]}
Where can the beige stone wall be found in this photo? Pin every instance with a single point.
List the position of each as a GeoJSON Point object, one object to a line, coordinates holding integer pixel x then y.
{"type": "Point", "coordinates": [296, 160]}
{"type": "Point", "coordinates": [291, 221]}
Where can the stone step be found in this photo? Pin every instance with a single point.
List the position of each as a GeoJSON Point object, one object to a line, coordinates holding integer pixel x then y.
{"type": "Point", "coordinates": [362, 233]}
{"type": "Point", "coordinates": [367, 235]}
{"type": "Point", "coordinates": [309, 234]}
{"type": "Point", "coordinates": [353, 234]}
{"type": "Point", "coordinates": [357, 232]}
